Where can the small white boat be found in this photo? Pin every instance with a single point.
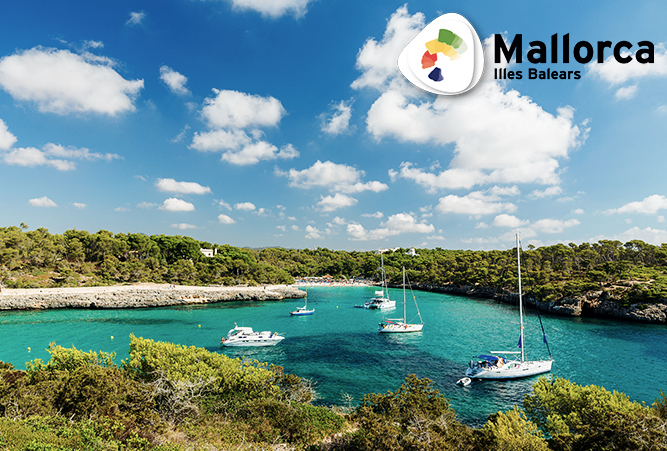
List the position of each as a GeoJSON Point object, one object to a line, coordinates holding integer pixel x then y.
{"type": "Point", "coordinates": [401, 325]}
{"type": "Point", "coordinates": [381, 300]}
{"type": "Point", "coordinates": [464, 381]}
{"type": "Point", "coordinates": [302, 311]}
{"type": "Point", "coordinates": [498, 367]}
{"type": "Point", "coordinates": [245, 336]}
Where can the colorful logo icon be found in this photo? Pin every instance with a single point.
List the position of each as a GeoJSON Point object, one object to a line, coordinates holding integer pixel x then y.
{"type": "Point", "coordinates": [446, 57]}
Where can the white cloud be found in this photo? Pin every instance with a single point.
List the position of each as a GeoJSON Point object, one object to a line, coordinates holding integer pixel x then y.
{"type": "Point", "coordinates": [7, 139]}
{"type": "Point", "coordinates": [505, 220]}
{"type": "Point", "coordinates": [62, 82]}
{"type": "Point", "coordinates": [245, 206]}
{"type": "Point", "coordinates": [174, 204]}
{"type": "Point", "coordinates": [554, 225]}
{"type": "Point", "coordinates": [649, 205]}
{"type": "Point", "coordinates": [121, 209]}
{"type": "Point", "coordinates": [42, 202]}
{"type": "Point", "coordinates": [216, 140]}
{"type": "Point", "coordinates": [474, 203]}
{"type": "Point", "coordinates": [377, 61]}
{"type": "Point", "coordinates": [260, 151]}
{"type": "Point", "coordinates": [578, 211]}
{"type": "Point", "coordinates": [339, 221]}
{"type": "Point", "coordinates": [313, 233]}
{"type": "Point", "coordinates": [498, 136]}
{"type": "Point", "coordinates": [648, 235]}
{"type": "Point", "coordinates": [146, 205]}
{"type": "Point", "coordinates": [395, 225]}
{"type": "Point", "coordinates": [273, 8]}
{"type": "Point", "coordinates": [338, 121]}
{"type": "Point", "coordinates": [31, 157]}
{"type": "Point", "coordinates": [135, 18]}
{"type": "Point", "coordinates": [183, 226]}
{"type": "Point", "coordinates": [626, 92]}
{"type": "Point", "coordinates": [336, 177]}
{"type": "Point", "coordinates": [224, 219]}
{"type": "Point", "coordinates": [377, 214]}
{"type": "Point", "coordinates": [79, 205]}
{"type": "Point", "coordinates": [222, 204]}
{"type": "Point", "coordinates": [233, 109]}
{"type": "Point", "coordinates": [616, 73]}
{"type": "Point", "coordinates": [338, 200]}
{"type": "Point", "coordinates": [549, 192]}
{"type": "Point", "coordinates": [174, 80]}
{"type": "Point", "coordinates": [171, 185]}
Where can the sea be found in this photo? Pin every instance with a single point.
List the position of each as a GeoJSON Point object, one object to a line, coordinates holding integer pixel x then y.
{"type": "Point", "coordinates": [341, 351]}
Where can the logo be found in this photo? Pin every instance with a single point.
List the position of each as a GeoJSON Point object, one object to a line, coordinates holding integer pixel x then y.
{"type": "Point", "coordinates": [445, 58]}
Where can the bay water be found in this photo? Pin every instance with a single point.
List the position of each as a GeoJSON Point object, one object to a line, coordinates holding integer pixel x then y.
{"type": "Point", "coordinates": [339, 348]}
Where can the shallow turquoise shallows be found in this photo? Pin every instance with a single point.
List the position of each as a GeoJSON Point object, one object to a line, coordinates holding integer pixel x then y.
{"type": "Point", "coordinates": [340, 349]}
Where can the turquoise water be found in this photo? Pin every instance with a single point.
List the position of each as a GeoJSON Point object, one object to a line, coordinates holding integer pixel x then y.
{"type": "Point", "coordinates": [340, 349]}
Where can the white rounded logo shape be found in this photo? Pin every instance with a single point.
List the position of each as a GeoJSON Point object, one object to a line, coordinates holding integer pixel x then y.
{"type": "Point", "coordinates": [445, 58]}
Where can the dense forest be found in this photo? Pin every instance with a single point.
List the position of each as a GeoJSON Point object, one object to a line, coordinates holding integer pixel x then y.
{"type": "Point", "coordinates": [633, 272]}
{"type": "Point", "coordinates": [174, 398]}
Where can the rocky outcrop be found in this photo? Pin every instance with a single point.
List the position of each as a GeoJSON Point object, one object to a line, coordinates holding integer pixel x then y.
{"type": "Point", "coordinates": [598, 304]}
{"type": "Point", "coordinates": [139, 297]}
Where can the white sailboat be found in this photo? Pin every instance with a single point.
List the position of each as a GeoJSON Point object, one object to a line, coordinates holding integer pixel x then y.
{"type": "Point", "coordinates": [381, 300]}
{"type": "Point", "coordinates": [401, 325]}
{"type": "Point", "coordinates": [496, 366]}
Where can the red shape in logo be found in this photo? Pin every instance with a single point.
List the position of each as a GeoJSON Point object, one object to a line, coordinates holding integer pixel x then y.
{"type": "Point", "coordinates": [429, 59]}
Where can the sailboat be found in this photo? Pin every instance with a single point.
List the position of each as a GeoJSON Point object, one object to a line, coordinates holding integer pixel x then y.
{"type": "Point", "coordinates": [401, 325]}
{"type": "Point", "coordinates": [499, 367]}
{"type": "Point", "coordinates": [302, 311]}
{"type": "Point", "coordinates": [381, 300]}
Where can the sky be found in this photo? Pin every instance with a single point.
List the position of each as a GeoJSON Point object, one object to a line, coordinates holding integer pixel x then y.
{"type": "Point", "coordinates": [263, 123]}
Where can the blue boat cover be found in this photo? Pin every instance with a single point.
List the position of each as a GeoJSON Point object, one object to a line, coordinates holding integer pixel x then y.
{"type": "Point", "coordinates": [488, 358]}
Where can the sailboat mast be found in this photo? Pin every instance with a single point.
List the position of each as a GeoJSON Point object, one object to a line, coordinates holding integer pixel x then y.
{"type": "Point", "coordinates": [405, 315]}
{"type": "Point", "coordinates": [518, 259]}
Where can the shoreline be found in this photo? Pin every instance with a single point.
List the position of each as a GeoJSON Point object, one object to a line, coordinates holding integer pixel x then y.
{"type": "Point", "coordinates": [142, 295]}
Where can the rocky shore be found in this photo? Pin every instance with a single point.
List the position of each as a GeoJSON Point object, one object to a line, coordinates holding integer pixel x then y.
{"type": "Point", "coordinates": [596, 304]}
{"type": "Point", "coordinates": [139, 296]}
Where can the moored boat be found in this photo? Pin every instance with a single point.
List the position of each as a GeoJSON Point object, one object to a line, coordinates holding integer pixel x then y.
{"type": "Point", "coordinates": [401, 325]}
{"type": "Point", "coordinates": [245, 336]}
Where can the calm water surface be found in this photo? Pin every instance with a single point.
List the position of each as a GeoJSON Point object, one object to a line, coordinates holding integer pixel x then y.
{"type": "Point", "coordinates": [340, 349]}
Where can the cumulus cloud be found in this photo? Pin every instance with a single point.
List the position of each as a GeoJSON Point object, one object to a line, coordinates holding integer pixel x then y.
{"type": "Point", "coordinates": [240, 110]}
{"type": "Point", "coordinates": [79, 205]}
{"type": "Point", "coordinates": [505, 220]}
{"type": "Point", "coordinates": [61, 82]}
{"type": "Point", "coordinates": [7, 139]}
{"type": "Point", "coordinates": [233, 118]}
{"type": "Point", "coordinates": [474, 204]}
{"type": "Point", "coordinates": [554, 225]}
{"type": "Point", "coordinates": [649, 205]}
{"type": "Point", "coordinates": [224, 219]}
{"type": "Point", "coordinates": [42, 202]}
{"type": "Point", "coordinates": [174, 80]}
{"type": "Point", "coordinates": [245, 206]}
{"type": "Point", "coordinates": [146, 205]}
{"type": "Point", "coordinates": [313, 233]}
{"type": "Point", "coordinates": [648, 235]}
{"type": "Point", "coordinates": [338, 120]}
{"type": "Point", "coordinates": [626, 92]}
{"type": "Point", "coordinates": [335, 177]}
{"type": "Point", "coordinates": [175, 204]}
{"type": "Point", "coordinates": [394, 225]}
{"type": "Point", "coordinates": [135, 18]}
{"type": "Point", "coordinates": [171, 185]}
{"type": "Point", "coordinates": [335, 202]}
{"type": "Point", "coordinates": [184, 226]}
{"type": "Point", "coordinates": [616, 73]}
{"type": "Point", "coordinates": [31, 157]}
{"type": "Point", "coordinates": [497, 135]}
{"type": "Point", "coordinates": [273, 8]}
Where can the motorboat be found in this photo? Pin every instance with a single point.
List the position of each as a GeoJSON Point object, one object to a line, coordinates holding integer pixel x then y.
{"type": "Point", "coordinates": [401, 325]}
{"type": "Point", "coordinates": [245, 336]}
{"type": "Point", "coordinates": [496, 366]}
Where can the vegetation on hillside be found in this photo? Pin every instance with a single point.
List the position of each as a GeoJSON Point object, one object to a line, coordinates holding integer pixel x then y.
{"type": "Point", "coordinates": [633, 272]}
{"type": "Point", "coordinates": [169, 397]}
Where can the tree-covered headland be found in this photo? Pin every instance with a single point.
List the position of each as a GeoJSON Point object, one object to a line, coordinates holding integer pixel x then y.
{"type": "Point", "coordinates": [632, 272]}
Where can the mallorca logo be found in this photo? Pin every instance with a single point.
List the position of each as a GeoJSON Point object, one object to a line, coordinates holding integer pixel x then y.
{"type": "Point", "coordinates": [446, 57]}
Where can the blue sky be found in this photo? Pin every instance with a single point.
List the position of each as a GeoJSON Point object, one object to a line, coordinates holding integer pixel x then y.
{"type": "Point", "coordinates": [287, 123]}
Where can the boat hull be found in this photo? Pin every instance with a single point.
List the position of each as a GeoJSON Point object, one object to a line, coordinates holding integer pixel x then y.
{"type": "Point", "coordinates": [399, 328]}
{"type": "Point", "coordinates": [511, 370]}
{"type": "Point", "coordinates": [302, 313]}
